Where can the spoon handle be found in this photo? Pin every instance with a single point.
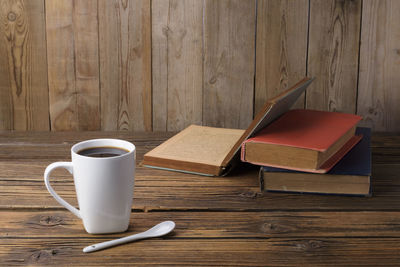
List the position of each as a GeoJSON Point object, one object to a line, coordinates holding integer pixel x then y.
{"type": "Point", "coordinates": [115, 242]}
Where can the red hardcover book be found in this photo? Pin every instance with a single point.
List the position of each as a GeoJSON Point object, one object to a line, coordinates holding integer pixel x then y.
{"type": "Point", "coordinates": [305, 140]}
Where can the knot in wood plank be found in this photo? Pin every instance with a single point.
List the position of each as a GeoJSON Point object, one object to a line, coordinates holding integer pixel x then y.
{"type": "Point", "coordinates": [309, 245]}
{"type": "Point", "coordinates": [166, 31]}
{"type": "Point", "coordinates": [11, 16]}
{"type": "Point", "coordinates": [268, 226]}
{"type": "Point", "coordinates": [213, 79]}
{"type": "Point", "coordinates": [275, 227]}
{"type": "Point", "coordinates": [249, 194]}
{"type": "Point", "coordinates": [50, 220]}
{"type": "Point", "coordinates": [43, 255]}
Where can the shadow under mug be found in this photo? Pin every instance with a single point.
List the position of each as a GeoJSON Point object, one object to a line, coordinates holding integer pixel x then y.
{"type": "Point", "coordinates": [104, 186]}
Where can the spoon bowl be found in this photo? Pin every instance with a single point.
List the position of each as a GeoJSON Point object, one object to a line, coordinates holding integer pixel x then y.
{"type": "Point", "coordinates": [160, 229]}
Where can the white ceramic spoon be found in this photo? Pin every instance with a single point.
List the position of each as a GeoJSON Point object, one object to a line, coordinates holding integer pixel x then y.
{"type": "Point", "coordinates": [156, 231]}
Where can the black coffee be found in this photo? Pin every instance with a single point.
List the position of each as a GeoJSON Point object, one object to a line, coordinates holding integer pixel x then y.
{"type": "Point", "coordinates": [102, 152]}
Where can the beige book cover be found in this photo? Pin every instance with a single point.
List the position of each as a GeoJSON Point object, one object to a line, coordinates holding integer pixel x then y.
{"type": "Point", "coordinates": [214, 151]}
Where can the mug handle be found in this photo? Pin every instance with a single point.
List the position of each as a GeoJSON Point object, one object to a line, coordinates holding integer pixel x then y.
{"type": "Point", "coordinates": [68, 166]}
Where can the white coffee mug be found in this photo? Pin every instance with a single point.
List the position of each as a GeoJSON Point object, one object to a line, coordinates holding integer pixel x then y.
{"type": "Point", "coordinates": [104, 186]}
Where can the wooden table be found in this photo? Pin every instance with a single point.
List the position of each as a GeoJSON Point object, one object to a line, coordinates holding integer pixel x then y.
{"type": "Point", "coordinates": [220, 221]}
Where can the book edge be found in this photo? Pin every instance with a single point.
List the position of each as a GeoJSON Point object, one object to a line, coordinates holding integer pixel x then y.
{"type": "Point", "coordinates": [342, 151]}
{"type": "Point", "coordinates": [354, 125]}
{"type": "Point", "coordinates": [194, 167]}
{"type": "Point", "coordinates": [176, 170]}
{"type": "Point", "coordinates": [365, 141]}
{"type": "Point", "coordinates": [264, 189]}
{"type": "Point", "coordinates": [304, 83]}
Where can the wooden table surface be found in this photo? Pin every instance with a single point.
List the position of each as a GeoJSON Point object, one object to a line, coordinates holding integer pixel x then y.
{"type": "Point", "coordinates": [219, 220]}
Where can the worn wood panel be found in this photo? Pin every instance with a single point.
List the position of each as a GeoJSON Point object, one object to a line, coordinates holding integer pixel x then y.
{"type": "Point", "coordinates": [159, 47]}
{"type": "Point", "coordinates": [23, 66]}
{"type": "Point", "coordinates": [6, 110]}
{"type": "Point", "coordinates": [19, 138]}
{"type": "Point", "coordinates": [281, 48]}
{"type": "Point", "coordinates": [73, 64]}
{"type": "Point", "coordinates": [229, 45]}
{"type": "Point", "coordinates": [379, 79]}
{"type": "Point", "coordinates": [30, 138]}
{"type": "Point", "coordinates": [56, 145]}
{"type": "Point", "coordinates": [333, 55]}
{"type": "Point", "coordinates": [238, 192]}
{"type": "Point", "coordinates": [43, 223]}
{"type": "Point", "coordinates": [171, 250]}
{"type": "Point", "coordinates": [224, 221]}
{"type": "Point", "coordinates": [177, 28]}
{"type": "Point", "coordinates": [185, 64]}
{"type": "Point", "coordinates": [125, 65]}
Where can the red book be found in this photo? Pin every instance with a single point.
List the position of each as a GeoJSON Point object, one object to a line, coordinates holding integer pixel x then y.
{"type": "Point", "coordinates": [305, 140]}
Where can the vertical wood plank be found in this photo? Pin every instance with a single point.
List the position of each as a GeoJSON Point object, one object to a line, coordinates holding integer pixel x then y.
{"type": "Point", "coordinates": [73, 67]}
{"type": "Point", "coordinates": [61, 65]}
{"type": "Point", "coordinates": [229, 46]}
{"type": "Point", "coordinates": [333, 55]}
{"type": "Point", "coordinates": [159, 32]}
{"type": "Point", "coordinates": [379, 80]}
{"type": "Point", "coordinates": [177, 63]}
{"type": "Point", "coordinates": [23, 67]}
{"type": "Point", "coordinates": [87, 64]}
{"type": "Point", "coordinates": [125, 65]}
{"type": "Point", "coordinates": [140, 105]}
{"type": "Point", "coordinates": [113, 49]}
{"type": "Point", "coordinates": [6, 100]}
{"type": "Point", "coordinates": [185, 64]}
{"type": "Point", "coordinates": [281, 48]}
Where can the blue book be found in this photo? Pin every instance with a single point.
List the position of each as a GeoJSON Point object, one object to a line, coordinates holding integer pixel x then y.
{"type": "Point", "coordinates": [350, 176]}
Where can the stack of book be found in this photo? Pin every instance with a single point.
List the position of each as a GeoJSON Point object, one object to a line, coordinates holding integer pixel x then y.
{"type": "Point", "coordinates": [300, 148]}
{"type": "Point", "coordinates": [311, 151]}
{"type": "Point", "coordinates": [214, 151]}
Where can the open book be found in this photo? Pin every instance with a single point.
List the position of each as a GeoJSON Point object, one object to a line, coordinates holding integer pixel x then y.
{"type": "Point", "coordinates": [214, 151]}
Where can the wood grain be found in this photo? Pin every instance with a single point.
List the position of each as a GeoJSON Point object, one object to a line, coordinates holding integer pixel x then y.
{"type": "Point", "coordinates": [73, 65]}
{"type": "Point", "coordinates": [229, 45]}
{"type": "Point", "coordinates": [333, 55]}
{"type": "Point", "coordinates": [379, 82]}
{"type": "Point", "coordinates": [177, 64]}
{"type": "Point", "coordinates": [23, 67]}
{"type": "Point", "coordinates": [171, 250]}
{"type": "Point", "coordinates": [162, 65]}
{"type": "Point", "coordinates": [18, 138]}
{"type": "Point", "coordinates": [6, 98]}
{"type": "Point", "coordinates": [219, 221]}
{"type": "Point", "coordinates": [86, 56]}
{"type": "Point", "coordinates": [56, 145]}
{"type": "Point", "coordinates": [159, 47]}
{"type": "Point", "coordinates": [281, 48]}
{"type": "Point", "coordinates": [189, 224]}
{"type": "Point", "coordinates": [125, 65]}
{"type": "Point", "coordinates": [237, 192]}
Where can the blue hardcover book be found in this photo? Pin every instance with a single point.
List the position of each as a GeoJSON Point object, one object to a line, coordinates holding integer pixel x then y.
{"type": "Point", "coordinates": [350, 176]}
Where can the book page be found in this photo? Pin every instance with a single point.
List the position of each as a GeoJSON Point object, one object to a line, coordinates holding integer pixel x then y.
{"type": "Point", "coordinates": [199, 144]}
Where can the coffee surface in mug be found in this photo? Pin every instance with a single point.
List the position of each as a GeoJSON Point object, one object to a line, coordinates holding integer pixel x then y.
{"type": "Point", "coordinates": [102, 152]}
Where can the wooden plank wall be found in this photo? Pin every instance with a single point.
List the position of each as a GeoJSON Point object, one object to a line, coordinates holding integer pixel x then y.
{"type": "Point", "coordinates": [160, 65]}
